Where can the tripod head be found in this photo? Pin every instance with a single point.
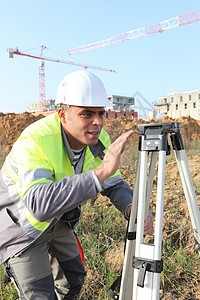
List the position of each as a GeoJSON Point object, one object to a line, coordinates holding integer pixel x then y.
{"type": "Point", "coordinates": [153, 137]}
{"type": "Point", "coordinates": [158, 128]}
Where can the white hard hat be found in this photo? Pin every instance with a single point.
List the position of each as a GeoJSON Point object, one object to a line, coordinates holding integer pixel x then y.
{"type": "Point", "coordinates": [82, 88]}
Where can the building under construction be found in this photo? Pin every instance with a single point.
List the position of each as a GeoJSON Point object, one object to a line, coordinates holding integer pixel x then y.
{"type": "Point", "coordinates": [180, 105]}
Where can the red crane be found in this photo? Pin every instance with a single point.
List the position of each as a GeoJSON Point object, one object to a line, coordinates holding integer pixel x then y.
{"type": "Point", "coordinates": [159, 27]}
{"type": "Point", "coordinates": [42, 99]}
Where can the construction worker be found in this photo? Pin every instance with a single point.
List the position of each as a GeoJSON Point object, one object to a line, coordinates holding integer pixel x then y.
{"type": "Point", "coordinates": [55, 166]}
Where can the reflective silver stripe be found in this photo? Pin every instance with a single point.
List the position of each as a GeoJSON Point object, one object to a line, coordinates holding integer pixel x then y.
{"type": "Point", "coordinates": [35, 175]}
{"type": "Point", "coordinates": [16, 198]}
{"type": "Point", "coordinates": [9, 169]}
{"type": "Point", "coordinates": [28, 198]}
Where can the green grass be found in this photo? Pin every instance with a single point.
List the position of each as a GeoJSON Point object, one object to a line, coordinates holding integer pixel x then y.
{"type": "Point", "coordinates": [179, 269]}
{"type": "Point", "coordinates": [197, 189]}
{"type": "Point", "coordinates": [192, 148]}
{"type": "Point", "coordinates": [102, 228]}
{"type": "Point", "coordinates": [7, 291]}
{"type": "Point", "coordinates": [178, 256]}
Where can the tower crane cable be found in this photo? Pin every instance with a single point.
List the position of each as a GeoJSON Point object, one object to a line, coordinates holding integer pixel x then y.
{"type": "Point", "coordinates": [159, 27]}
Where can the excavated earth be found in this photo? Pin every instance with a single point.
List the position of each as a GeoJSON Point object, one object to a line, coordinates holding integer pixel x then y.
{"type": "Point", "coordinates": [176, 220]}
{"type": "Point", "coordinates": [11, 126]}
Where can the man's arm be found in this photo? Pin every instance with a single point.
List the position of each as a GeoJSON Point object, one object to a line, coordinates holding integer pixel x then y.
{"type": "Point", "coordinates": [47, 200]}
{"type": "Point", "coordinates": [119, 193]}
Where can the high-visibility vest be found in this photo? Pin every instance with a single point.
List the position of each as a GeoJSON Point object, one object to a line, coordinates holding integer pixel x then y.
{"type": "Point", "coordinates": [40, 146]}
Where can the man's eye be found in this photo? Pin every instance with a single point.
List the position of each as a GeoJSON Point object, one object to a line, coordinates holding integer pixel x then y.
{"type": "Point", "coordinates": [87, 115]}
{"type": "Point", "coordinates": [101, 113]}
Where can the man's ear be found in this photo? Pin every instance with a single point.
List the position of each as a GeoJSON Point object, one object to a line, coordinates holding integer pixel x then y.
{"type": "Point", "coordinates": [61, 114]}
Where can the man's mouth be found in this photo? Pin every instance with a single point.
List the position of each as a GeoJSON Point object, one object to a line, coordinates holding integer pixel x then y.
{"type": "Point", "coordinates": [94, 133]}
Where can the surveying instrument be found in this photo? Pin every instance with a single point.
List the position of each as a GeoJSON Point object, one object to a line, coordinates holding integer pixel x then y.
{"type": "Point", "coordinates": [140, 278]}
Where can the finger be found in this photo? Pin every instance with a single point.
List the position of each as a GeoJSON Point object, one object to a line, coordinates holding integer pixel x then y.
{"type": "Point", "coordinates": [128, 133]}
{"type": "Point", "coordinates": [148, 225]}
{"type": "Point", "coordinates": [120, 142]}
{"type": "Point", "coordinates": [124, 136]}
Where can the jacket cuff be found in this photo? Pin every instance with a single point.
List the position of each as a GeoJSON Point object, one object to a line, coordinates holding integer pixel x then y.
{"type": "Point", "coordinates": [97, 183]}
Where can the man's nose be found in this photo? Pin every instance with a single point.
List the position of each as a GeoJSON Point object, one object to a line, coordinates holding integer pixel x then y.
{"type": "Point", "coordinates": [98, 120]}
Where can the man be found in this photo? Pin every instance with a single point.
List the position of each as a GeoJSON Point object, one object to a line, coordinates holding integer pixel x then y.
{"type": "Point", "coordinates": [56, 165]}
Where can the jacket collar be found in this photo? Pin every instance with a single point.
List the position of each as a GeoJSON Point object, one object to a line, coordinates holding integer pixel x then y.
{"type": "Point", "coordinates": [97, 150]}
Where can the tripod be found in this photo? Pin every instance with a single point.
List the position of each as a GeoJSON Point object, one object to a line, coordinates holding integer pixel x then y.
{"type": "Point", "coordinates": [142, 262]}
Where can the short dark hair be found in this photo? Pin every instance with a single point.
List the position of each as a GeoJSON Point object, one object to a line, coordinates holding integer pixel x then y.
{"type": "Point", "coordinates": [63, 106]}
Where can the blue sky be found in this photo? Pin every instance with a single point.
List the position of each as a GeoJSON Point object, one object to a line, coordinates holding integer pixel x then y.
{"type": "Point", "coordinates": [153, 65]}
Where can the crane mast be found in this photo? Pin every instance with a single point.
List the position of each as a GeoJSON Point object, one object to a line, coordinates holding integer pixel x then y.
{"type": "Point", "coordinates": [42, 97]}
{"type": "Point", "coordinates": [159, 27]}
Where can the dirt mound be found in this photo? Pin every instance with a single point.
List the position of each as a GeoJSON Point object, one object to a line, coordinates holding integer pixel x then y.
{"type": "Point", "coordinates": [11, 126]}
{"type": "Point", "coordinates": [189, 128]}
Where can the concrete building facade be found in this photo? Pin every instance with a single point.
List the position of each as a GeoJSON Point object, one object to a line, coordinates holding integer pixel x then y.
{"type": "Point", "coordinates": [119, 103]}
{"type": "Point", "coordinates": [49, 105]}
{"type": "Point", "coordinates": [182, 104]}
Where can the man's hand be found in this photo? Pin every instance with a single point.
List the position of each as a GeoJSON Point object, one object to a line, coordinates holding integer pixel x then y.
{"type": "Point", "coordinates": [128, 211]}
{"type": "Point", "coordinates": [148, 223]}
{"type": "Point", "coordinates": [111, 161]}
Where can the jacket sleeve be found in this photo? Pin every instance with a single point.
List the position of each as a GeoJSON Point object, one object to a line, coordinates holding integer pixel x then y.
{"type": "Point", "coordinates": [48, 200]}
{"type": "Point", "coordinates": [119, 192]}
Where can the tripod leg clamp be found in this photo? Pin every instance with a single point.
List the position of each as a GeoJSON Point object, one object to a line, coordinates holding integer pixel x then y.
{"type": "Point", "coordinates": [131, 235]}
{"type": "Point", "coordinates": [155, 266]}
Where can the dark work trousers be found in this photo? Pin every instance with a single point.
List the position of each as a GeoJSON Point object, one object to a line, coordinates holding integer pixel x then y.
{"type": "Point", "coordinates": [51, 268]}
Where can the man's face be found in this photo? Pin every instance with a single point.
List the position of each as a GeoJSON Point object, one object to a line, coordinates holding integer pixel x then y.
{"type": "Point", "coordinates": [82, 125]}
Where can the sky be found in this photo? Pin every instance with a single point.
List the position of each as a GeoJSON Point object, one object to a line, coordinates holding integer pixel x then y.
{"type": "Point", "coordinates": [153, 65]}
